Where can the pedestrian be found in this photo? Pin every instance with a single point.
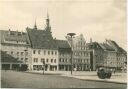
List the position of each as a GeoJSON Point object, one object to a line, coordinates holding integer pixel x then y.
{"type": "Point", "coordinates": [90, 69]}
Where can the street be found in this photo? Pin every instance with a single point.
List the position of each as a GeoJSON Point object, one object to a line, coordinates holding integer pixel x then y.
{"type": "Point", "coordinates": [13, 79]}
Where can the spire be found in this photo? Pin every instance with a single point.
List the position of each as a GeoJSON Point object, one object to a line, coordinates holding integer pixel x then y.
{"type": "Point", "coordinates": [48, 27]}
{"type": "Point", "coordinates": [47, 20]}
{"type": "Point", "coordinates": [35, 26]}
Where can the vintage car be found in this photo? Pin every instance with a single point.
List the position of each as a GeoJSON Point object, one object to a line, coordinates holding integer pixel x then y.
{"type": "Point", "coordinates": [104, 73]}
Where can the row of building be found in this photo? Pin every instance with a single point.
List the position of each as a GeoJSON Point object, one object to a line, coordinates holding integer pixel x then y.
{"type": "Point", "coordinates": [37, 47]}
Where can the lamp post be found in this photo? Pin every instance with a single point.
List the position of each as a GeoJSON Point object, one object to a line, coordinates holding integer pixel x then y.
{"type": "Point", "coordinates": [43, 66]}
{"type": "Point", "coordinates": [25, 55]}
{"type": "Point", "coordinates": [71, 36]}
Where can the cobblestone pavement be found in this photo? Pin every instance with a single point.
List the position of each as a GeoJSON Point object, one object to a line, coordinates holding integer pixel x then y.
{"type": "Point", "coordinates": [13, 79]}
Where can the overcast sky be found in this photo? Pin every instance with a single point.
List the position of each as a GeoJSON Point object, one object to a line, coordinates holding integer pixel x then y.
{"type": "Point", "coordinates": [96, 19]}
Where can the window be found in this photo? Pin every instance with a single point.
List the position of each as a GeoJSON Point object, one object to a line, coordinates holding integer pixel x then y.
{"type": "Point", "coordinates": [47, 60]}
{"type": "Point", "coordinates": [21, 59]}
{"type": "Point", "coordinates": [17, 53]}
{"type": "Point", "coordinates": [54, 60]}
{"type": "Point", "coordinates": [22, 53]}
{"type": "Point", "coordinates": [34, 51]}
{"type": "Point", "coordinates": [11, 52]}
{"type": "Point", "coordinates": [42, 59]}
{"type": "Point", "coordinates": [48, 52]}
{"type": "Point", "coordinates": [55, 52]}
{"type": "Point", "coordinates": [35, 59]}
{"type": "Point", "coordinates": [60, 59]}
{"type": "Point", "coordinates": [52, 52]}
{"type": "Point", "coordinates": [26, 53]}
{"type": "Point", "coordinates": [26, 59]}
{"type": "Point", "coordinates": [51, 60]}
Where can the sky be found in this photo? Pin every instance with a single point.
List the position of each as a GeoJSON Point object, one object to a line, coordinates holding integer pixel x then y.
{"type": "Point", "coordinates": [96, 19]}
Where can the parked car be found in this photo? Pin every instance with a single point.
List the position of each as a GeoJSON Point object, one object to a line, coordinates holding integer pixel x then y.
{"type": "Point", "coordinates": [104, 73]}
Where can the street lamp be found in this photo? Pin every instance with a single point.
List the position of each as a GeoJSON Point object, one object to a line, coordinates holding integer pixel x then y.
{"type": "Point", "coordinates": [43, 66]}
{"type": "Point", "coordinates": [71, 36]}
{"type": "Point", "coordinates": [25, 55]}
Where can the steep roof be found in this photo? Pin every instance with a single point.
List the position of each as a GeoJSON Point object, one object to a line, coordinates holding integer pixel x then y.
{"type": "Point", "coordinates": [8, 58]}
{"type": "Point", "coordinates": [115, 46]}
{"type": "Point", "coordinates": [41, 39]}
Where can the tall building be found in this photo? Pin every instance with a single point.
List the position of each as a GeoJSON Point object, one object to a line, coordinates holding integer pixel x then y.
{"type": "Point", "coordinates": [43, 48]}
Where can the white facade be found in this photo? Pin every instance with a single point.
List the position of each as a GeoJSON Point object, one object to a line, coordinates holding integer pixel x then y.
{"type": "Point", "coordinates": [48, 55]}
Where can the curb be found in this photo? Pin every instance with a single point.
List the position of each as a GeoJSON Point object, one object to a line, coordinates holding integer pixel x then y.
{"type": "Point", "coordinates": [97, 80]}
{"type": "Point", "coordinates": [78, 78]}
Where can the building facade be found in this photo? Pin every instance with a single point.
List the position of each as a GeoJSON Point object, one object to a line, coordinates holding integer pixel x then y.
{"type": "Point", "coordinates": [64, 51]}
{"type": "Point", "coordinates": [81, 56]}
{"type": "Point", "coordinates": [44, 50]}
{"type": "Point", "coordinates": [107, 54]}
{"type": "Point", "coordinates": [16, 45]}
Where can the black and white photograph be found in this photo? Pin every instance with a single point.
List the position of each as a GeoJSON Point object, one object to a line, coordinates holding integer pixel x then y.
{"type": "Point", "coordinates": [63, 44]}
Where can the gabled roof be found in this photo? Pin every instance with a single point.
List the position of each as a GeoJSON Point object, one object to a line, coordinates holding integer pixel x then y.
{"type": "Point", "coordinates": [13, 36]}
{"type": "Point", "coordinates": [41, 39]}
